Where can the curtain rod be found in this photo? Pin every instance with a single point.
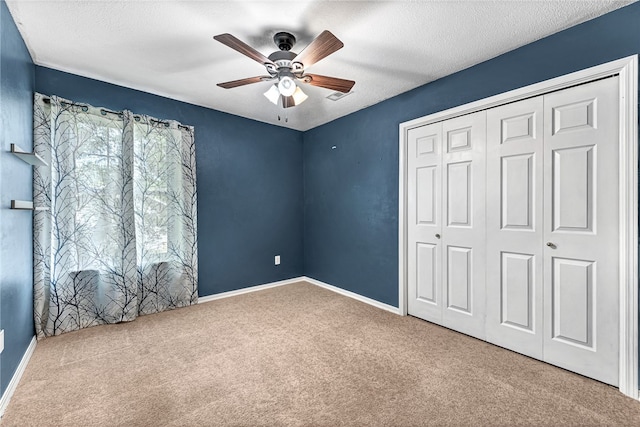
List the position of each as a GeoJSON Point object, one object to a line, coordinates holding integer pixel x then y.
{"type": "Point", "coordinates": [105, 111]}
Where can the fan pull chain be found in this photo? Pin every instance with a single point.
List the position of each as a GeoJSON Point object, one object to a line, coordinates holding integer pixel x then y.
{"type": "Point", "coordinates": [286, 119]}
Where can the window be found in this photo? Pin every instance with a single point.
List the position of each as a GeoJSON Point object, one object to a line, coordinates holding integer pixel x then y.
{"type": "Point", "coordinates": [156, 172]}
{"type": "Point", "coordinates": [100, 179]}
{"type": "Point", "coordinates": [120, 237]}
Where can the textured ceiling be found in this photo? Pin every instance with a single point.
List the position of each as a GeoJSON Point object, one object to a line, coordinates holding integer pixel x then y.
{"type": "Point", "coordinates": [167, 47]}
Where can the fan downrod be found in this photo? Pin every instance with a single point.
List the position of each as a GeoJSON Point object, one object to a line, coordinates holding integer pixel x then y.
{"type": "Point", "coordinates": [284, 41]}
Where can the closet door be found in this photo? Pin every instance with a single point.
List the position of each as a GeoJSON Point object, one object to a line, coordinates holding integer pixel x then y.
{"type": "Point", "coordinates": [581, 257]}
{"type": "Point", "coordinates": [424, 210]}
{"type": "Point", "coordinates": [514, 226]}
{"type": "Point", "coordinates": [463, 223]}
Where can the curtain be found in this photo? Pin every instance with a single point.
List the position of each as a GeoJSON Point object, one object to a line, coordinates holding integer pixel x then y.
{"type": "Point", "coordinates": [115, 225]}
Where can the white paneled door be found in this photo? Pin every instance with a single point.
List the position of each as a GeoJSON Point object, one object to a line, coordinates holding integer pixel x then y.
{"type": "Point", "coordinates": [446, 213]}
{"type": "Point", "coordinates": [424, 157]}
{"type": "Point", "coordinates": [581, 229]}
{"type": "Point", "coordinates": [463, 227]}
{"type": "Point", "coordinates": [513, 226]}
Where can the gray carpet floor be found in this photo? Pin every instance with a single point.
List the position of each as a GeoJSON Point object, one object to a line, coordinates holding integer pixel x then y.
{"type": "Point", "coordinates": [297, 355]}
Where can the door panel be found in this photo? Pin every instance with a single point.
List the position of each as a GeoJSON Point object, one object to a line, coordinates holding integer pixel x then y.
{"type": "Point", "coordinates": [426, 280]}
{"type": "Point", "coordinates": [581, 228]}
{"type": "Point", "coordinates": [424, 210]}
{"type": "Point", "coordinates": [517, 291]}
{"type": "Point", "coordinates": [517, 185]}
{"type": "Point", "coordinates": [574, 116]}
{"type": "Point", "coordinates": [573, 198]}
{"type": "Point", "coordinates": [459, 194]}
{"type": "Point", "coordinates": [463, 233]}
{"type": "Point", "coordinates": [426, 194]}
{"type": "Point", "coordinates": [572, 291]}
{"type": "Point", "coordinates": [459, 280]}
{"type": "Point", "coordinates": [459, 139]}
{"type": "Point", "coordinates": [520, 127]}
{"type": "Point", "coordinates": [514, 226]}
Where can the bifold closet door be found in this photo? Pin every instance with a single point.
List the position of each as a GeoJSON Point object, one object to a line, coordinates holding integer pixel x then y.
{"type": "Point", "coordinates": [524, 195]}
{"type": "Point", "coordinates": [446, 220]}
{"type": "Point", "coordinates": [515, 226]}
{"type": "Point", "coordinates": [424, 210]}
{"type": "Point", "coordinates": [581, 222]}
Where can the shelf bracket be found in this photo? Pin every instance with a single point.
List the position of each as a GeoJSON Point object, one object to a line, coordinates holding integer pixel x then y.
{"type": "Point", "coordinates": [31, 158]}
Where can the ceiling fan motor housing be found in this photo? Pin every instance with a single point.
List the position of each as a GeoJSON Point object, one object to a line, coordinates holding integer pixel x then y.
{"type": "Point", "coordinates": [284, 40]}
{"type": "Point", "coordinates": [281, 55]}
{"type": "Point", "coordinates": [282, 59]}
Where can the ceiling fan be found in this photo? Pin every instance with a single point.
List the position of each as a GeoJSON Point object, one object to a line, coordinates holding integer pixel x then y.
{"type": "Point", "coordinates": [286, 67]}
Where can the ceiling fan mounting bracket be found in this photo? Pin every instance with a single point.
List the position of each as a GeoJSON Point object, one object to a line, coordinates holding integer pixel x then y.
{"type": "Point", "coordinates": [284, 40]}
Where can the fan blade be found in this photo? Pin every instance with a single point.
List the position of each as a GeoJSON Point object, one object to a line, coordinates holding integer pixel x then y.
{"type": "Point", "coordinates": [288, 101]}
{"type": "Point", "coordinates": [321, 47]}
{"type": "Point", "coordinates": [333, 83]}
{"type": "Point", "coordinates": [242, 47]}
{"type": "Point", "coordinates": [242, 82]}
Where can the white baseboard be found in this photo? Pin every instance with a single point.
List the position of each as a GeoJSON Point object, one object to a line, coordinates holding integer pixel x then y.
{"type": "Point", "coordinates": [353, 295]}
{"type": "Point", "coordinates": [309, 280]}
{"type": "Point", "coordinates": [11, 388]}
{"type": "Point", "coordinates": [228, 294]}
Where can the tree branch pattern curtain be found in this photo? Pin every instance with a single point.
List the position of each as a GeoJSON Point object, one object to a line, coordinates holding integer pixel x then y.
{"type": "Point", "coordinates": [119, 237]}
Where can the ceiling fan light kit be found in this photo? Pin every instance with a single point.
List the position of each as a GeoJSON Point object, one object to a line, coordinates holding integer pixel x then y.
{"type": "Point", "coordinates": [286, 86]}
{"type": "Point", "coordinates": [286, 67]}
{"type": "Point", "coordinates": [299, 96]}
{"type": "Point", "coordinates": [273, 94]}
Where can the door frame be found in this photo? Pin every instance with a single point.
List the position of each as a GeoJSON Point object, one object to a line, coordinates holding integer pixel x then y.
{"type": "Point", "coordinates": [627, 70]}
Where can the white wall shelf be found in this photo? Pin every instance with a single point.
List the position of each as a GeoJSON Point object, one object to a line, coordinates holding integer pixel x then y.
{"type": "Point", "coordinates": [34, 160]}
{"type": "Point", "coordinates": [24, 205]}
{"type": "Point", "coordinates": [31, 158]}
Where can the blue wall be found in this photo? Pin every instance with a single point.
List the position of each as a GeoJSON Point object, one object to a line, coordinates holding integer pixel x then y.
{"type": "Point", "coordinates": [351, 192]}
{"type": "Point", "coordinates": [250, 194]}
{"type": "Point", "coordinates": [16, 266]}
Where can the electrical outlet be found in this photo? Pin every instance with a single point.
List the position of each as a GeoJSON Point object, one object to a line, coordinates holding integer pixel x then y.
{"type": "Point", "coordinates": [277, 260]}
{"type": "Point", "coordinates": [1, 341]}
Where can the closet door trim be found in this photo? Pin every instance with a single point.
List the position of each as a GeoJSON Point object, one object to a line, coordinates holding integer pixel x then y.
{"type": "Point", "coordinates": [627, 70]}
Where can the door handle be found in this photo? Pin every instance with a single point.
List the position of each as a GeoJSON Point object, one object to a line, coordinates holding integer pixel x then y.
{"type": "Point", "coordinates": [437, 236]}
{"type": "Point", "coordinates": [551, 245]}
